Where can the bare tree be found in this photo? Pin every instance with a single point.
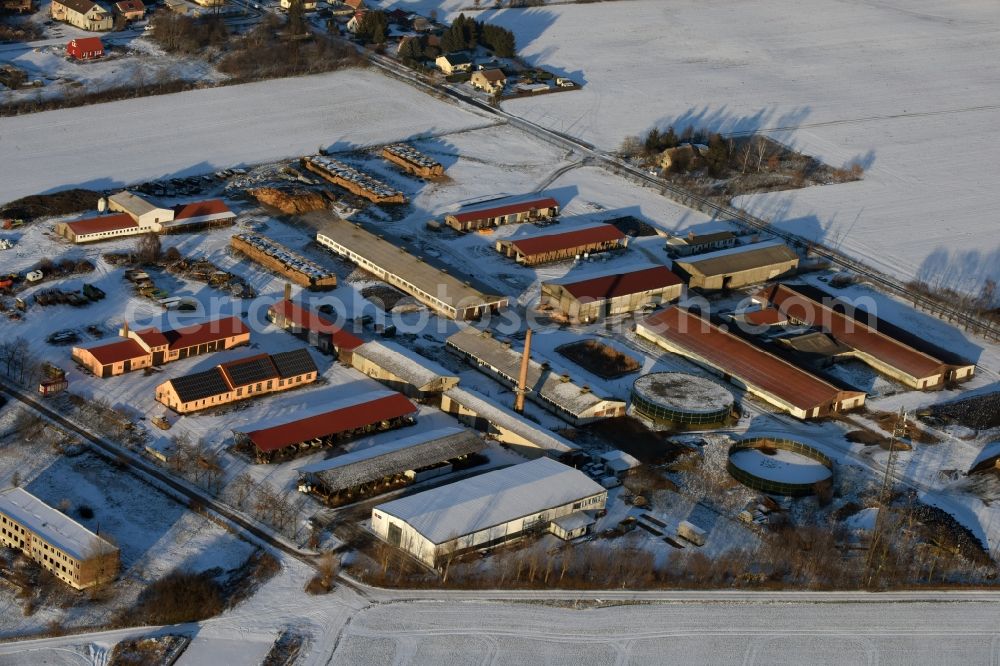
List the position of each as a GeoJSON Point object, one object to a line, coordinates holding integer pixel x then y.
{"type": "Point", "coordinates": [147, 248]}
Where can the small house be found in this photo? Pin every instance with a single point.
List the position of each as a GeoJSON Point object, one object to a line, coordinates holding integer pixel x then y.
{"type": "Point", "coordinates": [454, 63]}
{"type": "Point", "coordinates": [489, 80]}
{"type": "Point", "coordinates": [85, 48]}
{"type": "Point", "coordinates": [130, 10]}
{"type": "Point", "coordinates": [618, 463]}
{"type": "Point", "coordinates": [307, 5]}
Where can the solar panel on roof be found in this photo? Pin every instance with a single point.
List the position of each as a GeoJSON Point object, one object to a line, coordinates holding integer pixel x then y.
{"type": "Point", "coordinates": [295, 362]}
{"type": "Point", "coordinates": [199, 385]}
{"type": "Point", "coordinates": [250, 371]}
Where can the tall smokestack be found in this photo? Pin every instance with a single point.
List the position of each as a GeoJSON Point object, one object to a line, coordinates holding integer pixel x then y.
{"type": "Point", "coordinates": [125, 329]}
{"type": "Point", "coordinates": [288, 291]}
{"type": "Point", "coordinates": [522, 377]}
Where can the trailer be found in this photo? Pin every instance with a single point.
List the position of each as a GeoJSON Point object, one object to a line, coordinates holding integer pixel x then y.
{"type": "Point", "coordinates": [691, 532]}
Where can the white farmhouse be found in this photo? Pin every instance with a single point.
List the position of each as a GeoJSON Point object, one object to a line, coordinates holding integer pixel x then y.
{"type": "Point", "coordinates": [490, 509]}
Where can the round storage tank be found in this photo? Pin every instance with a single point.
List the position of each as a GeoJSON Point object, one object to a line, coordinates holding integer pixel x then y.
{"type": "Point", "coordinates": [678, 399]}
{"type": "Point", "coordinates": [779, 465]}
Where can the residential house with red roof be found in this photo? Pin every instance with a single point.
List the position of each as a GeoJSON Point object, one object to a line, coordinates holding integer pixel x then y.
{"type": "Point", "coordinates": [85, 48]}
{"type": "Point", "coordinates": [544, 248]}
{"type": "Point", "coordinates": [136, 350]}
{"type": "Point", "coordinates": [505, 211]}
{"type": "Point", "coordinates": [593, 298]}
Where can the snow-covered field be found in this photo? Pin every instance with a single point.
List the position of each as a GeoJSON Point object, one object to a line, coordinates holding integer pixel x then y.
{"type": "Point", "coordinates": [199, 131]}
{"type": "Point", "coordinates": [899, 86]}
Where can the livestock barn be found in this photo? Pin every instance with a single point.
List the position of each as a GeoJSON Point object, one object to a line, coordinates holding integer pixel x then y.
{"type": "Point", "coordinates": [238, 380]}
{"type": "Point", "coordinates": [321, 332]}
{"type": "Point", "coordinates": [135, 215]}
{"type": "Point", "coordinates": [365, 415]}
{"type": "Point", "coordinates": [571, 402]}
{"type": "Point", "coordinates": [502, 211]}
{"type": "Point", "coordinates": [544, 248]}
{"type": "Point", "coordinates": [738, 266]}
{"type": "Point", "coordinates": [761, 373]}
{"type": "Point", "coordinates": [486, 510]}
{"type": "Point", "coordinates": [685, 246]}
{"type": "Point", "coordinates": [151, 346]}
{"type": "Point", "coordinates": [85, 48]}
{"type": "Point", "coordinates": [402, 370]}
{"type": "Point", "coordinates": [866, 343]}
{"type": "Point", "coordinates": [389, 466]}
{"type": "Point", "coordinates": [594, 298]}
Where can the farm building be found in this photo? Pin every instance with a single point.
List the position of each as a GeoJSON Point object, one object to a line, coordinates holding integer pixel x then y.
{"type": "Point", "coordinates": [738, 266]}
{"type": "Point", "coordinates": [869, 345]}
{"type": "Point", "coordinates": [761, 373]}
{"type": "Point", "coordinates": [504, 425]}
{"type": "Point", "coordinates": [502, 211]}
{"type": "Point", "coordinates": [368, 414]}
{"type": "Point", "coordinates": [385, 467]}
{"type": "Point", "coordinates": [570, 402]}
{"type": "Point", "coordinates": [238, 380]}
{"type": "Point", "coordinates": [692, 243]}
{"type": "Point", "coordinates": [321, 333]}
{"type": "Point", "coordinates": [618, 463]}
{"type": "Point", "coordinates": [594, 298]}
{"type": "Point", "coordinates": [402, 370]}
{"type": "Point", "coordinates": [353, 180]}
{"type": "Point", "coordinates": [491, 81]}
{"type": "Point", "coordinates": [151, 346]}
{"type": "Point", "coordinates": [988, 458]}
{"type": "Point", "coordinates": [130, 10]}
{"type": "Point", "coordinates": [560, 245]}
{"type": "Point", "coordinates": [454, 63]}
{"type": "Point", "coordinates": [413, 161]}
{"type": "Point", "coordinates": [85, 48]}
{"type": "Point", "coordinates": [485, 510]}
{"type": "Point", "coordinates": [431, 286]}
{"type": "Point", "coordinates": [83, 14]}
{"type": "Point", "coordinates": [59, 544]}
{"type": "Point", "coordinates": [136, 216]}
{"type": "Point", "coordinates": [281, 260]}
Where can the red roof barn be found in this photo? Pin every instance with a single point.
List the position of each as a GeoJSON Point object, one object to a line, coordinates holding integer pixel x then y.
{"type": "Point", "coordinates": [85, 48]}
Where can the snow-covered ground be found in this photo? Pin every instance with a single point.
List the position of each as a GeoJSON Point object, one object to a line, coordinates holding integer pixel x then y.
{"type": "Point", "coordinates": [898, 86]}
{"type": "Point", "coordinates": [199, 131]}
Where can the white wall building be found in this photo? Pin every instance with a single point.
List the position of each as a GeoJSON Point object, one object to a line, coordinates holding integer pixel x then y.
{"type": "Point", "coordinates": [486, 510]}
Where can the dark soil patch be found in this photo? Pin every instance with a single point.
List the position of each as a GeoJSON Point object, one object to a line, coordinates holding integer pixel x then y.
{"type": "Point", "coordinates": [632, 437]}
{"type": "Point", "coordinates": [632, 226]}
{"type": "Point", "coordinates": [981, 412]}
{"type": "Point", "coordinates": [383, 296]}
{"type": "Point", "coordinates": [47, 205]}
{"type": "Point", "coordinates": [602, 360]}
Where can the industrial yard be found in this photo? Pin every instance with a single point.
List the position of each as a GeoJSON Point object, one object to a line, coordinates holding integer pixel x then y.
{"type": "Point", "coordinates": [259, 396]}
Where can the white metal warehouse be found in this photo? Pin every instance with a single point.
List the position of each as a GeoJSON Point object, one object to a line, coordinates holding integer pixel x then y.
{"type": "Point", "coordinates": [486, 510]}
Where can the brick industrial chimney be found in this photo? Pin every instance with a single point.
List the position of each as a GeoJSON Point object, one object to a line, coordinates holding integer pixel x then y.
{"type": "Point", "coordinates": [522, 377]}
{"type": "Point", "coordinates": [288, 291]}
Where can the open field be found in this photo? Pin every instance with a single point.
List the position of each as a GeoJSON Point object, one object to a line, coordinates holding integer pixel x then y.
{"type": "Point", "coordinates": [808, 75]}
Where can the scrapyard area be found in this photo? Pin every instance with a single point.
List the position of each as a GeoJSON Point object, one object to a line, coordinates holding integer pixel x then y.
{"type": "Point", "coordinates": [287, 374]}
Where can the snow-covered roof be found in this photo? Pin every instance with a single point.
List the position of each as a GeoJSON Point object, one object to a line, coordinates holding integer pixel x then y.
{"type": "Point", "coordinates": [619, 460]}
{"type": "Point", "coordinates": [575, 521]}
{"type": "Point", "coordinates": [987, 457]}
{"type": "Point", "coordinates": [406, 364]}
{"type": "Point", "coordinates": [375, 462]}
{"type": "Point", "coordinates": [491, 499]}
{"type": "Point", "coordinates": [50, 524]}
{"type": "Point", "coordinates": [510, 420]}
{"type": "Point", "coordinates": [739, 258]}
{"type": "Point", "coordinates": [545, 383]}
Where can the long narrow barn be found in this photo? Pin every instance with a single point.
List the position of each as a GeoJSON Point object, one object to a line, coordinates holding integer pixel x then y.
{"type": "Point", "coordinates": [561, 245]}
{"type": "Point", "coordinates": [762, 374]}
{"type": "Point", "coordinates": [433, 287]}
{"type": "Point", "coordinates": [320, 331]}
{"type": "Point", "coordinates": [502, 211]}
{"type": "Point", "coordinates": [379, 469]}
{"type": "Point", "coordinates": [370, 413]}
{"type": "Point", "coordinates": [869, 345]}
{"type": "Point", "coordinates": [737, 266]}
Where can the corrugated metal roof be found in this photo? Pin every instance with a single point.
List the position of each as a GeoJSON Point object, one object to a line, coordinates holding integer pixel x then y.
{"type": "Point", "coordinates": [406, 364]}
{"type": "Point", "coordinates": [210, 207]}
{"type": "Point", "coordinates": [409, 453]}
{"type": "Point", "coordinates": [853, 333]}
{"type": "Point", "coordinates": [605, 287]}
{"type": "Point", "coordinates": [510, 420]}
{"type": "Point", "coordinates": [93, 225]}
{"type": "Point", "coordinates": [50, 524]}
{"type": "Point", "coordinates": [742, 360]}
{"type": "Point", "coordinates": [366, 410]}
{"type": "Point", "coordinates": [491, 499]}
{"type": "Point", "coordinates": [567, 240]}
{"type": "Point", "coordinates": [736, 259]}
{"type": "Point", "coordinates": [312, 321]}
{"type": "Point", "coordinates": [496, 210]}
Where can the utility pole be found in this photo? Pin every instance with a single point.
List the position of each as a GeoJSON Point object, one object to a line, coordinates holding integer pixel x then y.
{"type": "Point", "coordinates": [878, 550]}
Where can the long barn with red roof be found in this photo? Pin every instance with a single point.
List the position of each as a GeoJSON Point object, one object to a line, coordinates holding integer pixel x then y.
{"type": "Point", "coordinates": [882, 352]}
{"type": "Point", "coordinates": [761, 373]}
{"type": "Point", "coordinates": [592, 298]}
{"type": "Point", "coordinates": [560, 245]}
{"type": "Point", "coordinates": [503, 211]}
{"type": "Point", "coordinates": [364, 415]}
